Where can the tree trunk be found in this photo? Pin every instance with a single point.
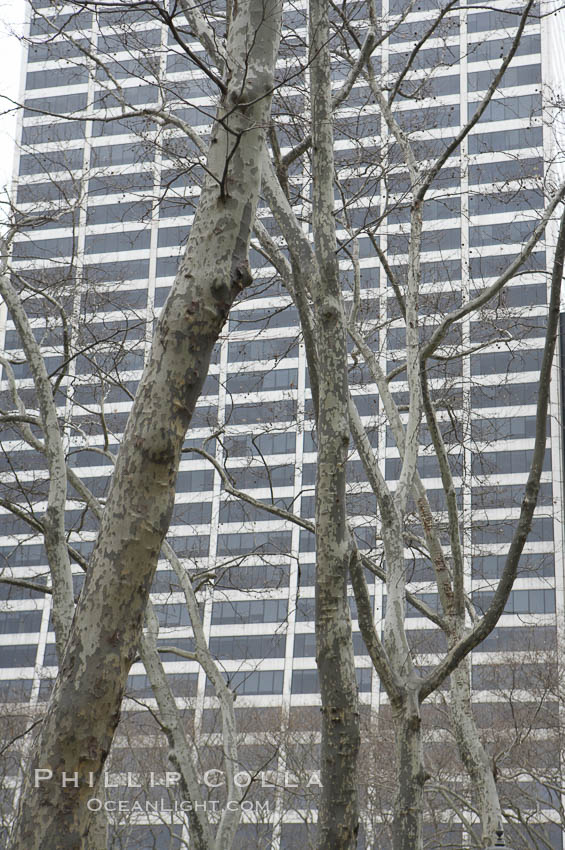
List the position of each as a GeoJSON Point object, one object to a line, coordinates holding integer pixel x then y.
{"type": "Point", "coordinates": [472, 752]}
{"type": "Point", "coordinates": [52, 448]}
{"type": "Point", "coordinates": [85, 706]}
{"type": "Point", "coordinates": [408, 808]}
{"type": "Point", "coordinates": [338, 816]}
{"type": "Point", "coordinates": [200, 833]}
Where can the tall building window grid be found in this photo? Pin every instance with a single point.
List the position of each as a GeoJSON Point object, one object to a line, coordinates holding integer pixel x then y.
{"type": "Point", "coordinates": [470, 236]}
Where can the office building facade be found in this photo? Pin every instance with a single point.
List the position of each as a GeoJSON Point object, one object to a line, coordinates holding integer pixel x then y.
{"type": "Point", "coordinates": [113, 193]}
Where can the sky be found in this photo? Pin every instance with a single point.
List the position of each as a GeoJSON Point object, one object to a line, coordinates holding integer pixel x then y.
{"type": "Point", "coordinates": [12, 15]}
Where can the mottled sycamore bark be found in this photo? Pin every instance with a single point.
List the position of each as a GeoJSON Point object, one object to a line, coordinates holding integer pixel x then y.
{"type": "Point", "coordinates": [410, 775]}
{"type": "Point", "coordinates": [182, 753]}
{"type": "Point", "coordinates": [338, 818]}
{"type": "Point", "coordinates": [85, 706]}
{"type": "Point", "coordinates": [472, 752]}
{"type": "Point", "coordinates": [53, 525]}
{"type": "Point", "coordinates": [462, 639]}
{"type": "Point", "coordinates": [229, 820]}
{"type": "Point", "coordinates": [52, 448]}
{"type": "Point", "coordinates": [201, 837]}
{"type": "Point", "coordinates": [486, 624]}
{"type": "Point", "coordinates": [406, 690]}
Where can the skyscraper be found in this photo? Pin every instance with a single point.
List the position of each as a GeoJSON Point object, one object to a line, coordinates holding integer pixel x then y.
{"type": "Point", "coordinates": [117, 194]}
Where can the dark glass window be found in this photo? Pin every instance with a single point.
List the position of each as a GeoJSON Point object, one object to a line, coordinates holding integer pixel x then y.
{"type": "Point", "coordinates": [172, 615]}
{"type": "Point", "coordinates": [189, 513]}
{"type": "Point", "coordinates": [23, 555]}
{"type": "Point", "coordinates": [44, 249]}
{"type": "Point", "coordinates": [52, 25]}
{"type": "Point", "coordinates": [280, 410]}
{"type": "Point", "coordinates": [267, 444]}
{"type": "Point", "coordinates": [15, 690]}
{"type": "Point", "coordinates": [256, 611]}
{"type": "Point", "coordinates": [428, 118]}
{"type": "Point", "coordinates": [173, 237]}
{"type": "Point", "coordinates": [119, 127]}
{"type": "Point", "coordinates": [521, 75]}
{"type": "Point", "coordinates": [412, 32]}
{"type": "Point", "coordinates": [263, 476]}
{"type": "Point", "coordinates": [166, 267]}
{"type": "Point", "coordinates": [482, 267]}
{"type": "Point", "coordinates": [41, 192]}
{"type": "Point", "coordinates": [14, 622]}
{"type": "Point", "coordinates": [258, 682]}
{"type": "Point", "coordinates": [248, 577]}
{"type": "Point", "coordinates": [64, 131]}
{"type": "Point", "coordinates": [527, 326]}
{"type": "Point", "coordinates": [55, 104]}
{"type": "Point", "coordinates": [133, 96]}
{"type": "Point", "coordinates": [281, 317]}
{"type": "Point", "coordinates": [508, 497]}
{"type": "Point", "coordinates": [272, 542]}
{"type": "Point", "coordinates": [503, 362]}
{"type": "Point", "coordinates": [306, 681]}
{"type": "Point", "coordinates": [181, 684]}
{"type": "Point", "coordinates": [508, 108]}
{"type": "Point", "coordinates": [18, 655]}
{"type": "Point", "coordinates": [501, 234]}
{"type": "Point", "coordinates": [56, 77]}
{"type": "Point", "coordinates": [445, 55]}
{"type": "Point", "coordinates": [130, 240]}
{"type": "Point", "coordinates": [42, 51]}
{"type": "Point", "coordinates": [434, 208]}
{"type": "Point", "coordinates": [305, 645]}
{"type": "Point", "coordinates": [503, 202]}
{"type": "Point", "coordinates": [498, 47]}
{"type": "Point", "coordinates": [251, 382]}
{"type": "Point", "coordinates": [112, 184]}
{"type": "Point", "coordinates": [495, 532]}
{"type": "Point", "coordinates": [505, 462]}
{"type": "Point", "coordinates": [262, 349]}
{"type": "Point", "coordinates": [432, 240]}
{"type": "Point", "coordinates": [191, 546]}
{"type": "Point", "coordinates": [493, 20]}
{"type": "Point", "coordinates": [508, 169]}
{"type": "Point", "coordinates": [540, 601]}
{"type": "Point", "coordinates": [123, 211]}
{"type": "Point", "coordinates": [254, 646]}
{"type": "Point", "coordinates": [505, 140]}
{"type": "Point", "coordinates": [531, 564]}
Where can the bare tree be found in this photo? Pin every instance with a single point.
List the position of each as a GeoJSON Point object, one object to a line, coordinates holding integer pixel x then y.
{"type": "Point", "coordinates": [405, 688]}
{"type": "Point", "coordinates": [425, 352]}
{"type": "Point", "coordinates": [126, 556]}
